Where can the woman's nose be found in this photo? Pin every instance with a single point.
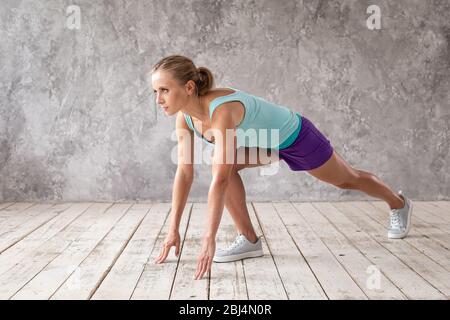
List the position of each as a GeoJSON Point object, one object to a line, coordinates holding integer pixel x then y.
{"type": "Point", "coordinates": [158, 99]}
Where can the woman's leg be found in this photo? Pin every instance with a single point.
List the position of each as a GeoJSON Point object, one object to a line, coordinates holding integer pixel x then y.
{"type": "Point", "coordinates": [236, 204]}
{"type": "Point", "coordinates": [235, 199]}
{"type": "Point", "coordinates": [337, 172]}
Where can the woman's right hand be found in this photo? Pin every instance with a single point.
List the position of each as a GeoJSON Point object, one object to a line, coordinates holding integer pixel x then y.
{"type": "Point", "coordinates": [172, 239]}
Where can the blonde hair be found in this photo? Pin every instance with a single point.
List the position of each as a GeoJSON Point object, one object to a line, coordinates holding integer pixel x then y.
{"type": "Point", "coordinates": [183, 70]}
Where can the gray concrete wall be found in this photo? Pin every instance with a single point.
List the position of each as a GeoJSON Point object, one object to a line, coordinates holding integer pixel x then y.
{"type": "Point", "coordinates": [77, 123]}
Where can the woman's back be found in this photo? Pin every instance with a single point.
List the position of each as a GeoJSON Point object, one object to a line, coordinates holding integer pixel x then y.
{"type": "Point", "coordinates": [262, 120]}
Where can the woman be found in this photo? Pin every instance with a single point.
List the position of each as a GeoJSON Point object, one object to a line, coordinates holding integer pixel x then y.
{"type": "Point", "coordinates": [222, 117]}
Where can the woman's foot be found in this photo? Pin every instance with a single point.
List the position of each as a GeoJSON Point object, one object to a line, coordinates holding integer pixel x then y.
{"type": "Point", "coordinates": [241, 248]}
{"type": "Point", "coordinates": [400, 219]}
{"type": "Point", "coordinates": [400, 203]}
{"type": "Point", "coordinates": [252, 237]}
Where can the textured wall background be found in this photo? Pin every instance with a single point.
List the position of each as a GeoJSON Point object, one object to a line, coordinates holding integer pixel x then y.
{"type": "Point", "coordinates": [77, 123]}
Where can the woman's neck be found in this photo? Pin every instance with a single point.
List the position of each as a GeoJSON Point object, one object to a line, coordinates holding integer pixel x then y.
{"type": "Point", "coordinates": [196, 108]}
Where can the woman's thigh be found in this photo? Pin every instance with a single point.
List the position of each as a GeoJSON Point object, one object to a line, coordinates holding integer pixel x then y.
{"type": "Point", "coordinates": [254, 157]}
{"type": "Point", "coordinates": [335, 171]}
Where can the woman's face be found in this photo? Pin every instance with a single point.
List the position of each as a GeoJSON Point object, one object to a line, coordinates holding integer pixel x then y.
{"type": "Point", "coordinates": [169, 95]}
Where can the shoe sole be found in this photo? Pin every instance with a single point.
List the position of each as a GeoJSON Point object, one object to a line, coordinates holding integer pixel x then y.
{"type": "Point", "coordinates": [408, 226]}
{"type": "Point", "coordinates": [240, 256]}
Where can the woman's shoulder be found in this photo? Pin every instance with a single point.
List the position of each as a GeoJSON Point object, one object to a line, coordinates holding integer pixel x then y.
{"type": "Point", "coordinates": [225, 107]}
{"type": "Point", "coordinates": [220, 92]}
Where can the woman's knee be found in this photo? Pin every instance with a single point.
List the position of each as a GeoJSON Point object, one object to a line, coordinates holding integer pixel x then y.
{"type": "Point", "coordinates": [347, 185]}
{"type": "Point", "coordinates": [237, 167]}
{"type": "Point", "coordinates": [349, 180]}
{"type": "Point", "coordinates": [253, 157]}
{"type": "Point", "coordinates": [356, 179]}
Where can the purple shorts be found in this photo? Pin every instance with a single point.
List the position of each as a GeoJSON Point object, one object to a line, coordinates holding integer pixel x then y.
{"type": "Point", "coordinates": [310, 149]}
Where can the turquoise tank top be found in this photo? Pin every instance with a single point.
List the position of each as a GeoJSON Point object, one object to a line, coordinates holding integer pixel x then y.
{"type": "Point", "coordinates": [260, 117]}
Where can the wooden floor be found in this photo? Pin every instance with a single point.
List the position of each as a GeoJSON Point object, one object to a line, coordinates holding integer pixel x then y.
{"type": "Point", "coordinates": [314, 250]}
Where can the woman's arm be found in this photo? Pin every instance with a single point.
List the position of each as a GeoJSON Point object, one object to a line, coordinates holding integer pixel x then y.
{"type": "Point", "coordinates": [180, 192]}
{"type": "Point", "coordinates": [184, 177]}
{"type": "Point", "coordinates": [223, 161]}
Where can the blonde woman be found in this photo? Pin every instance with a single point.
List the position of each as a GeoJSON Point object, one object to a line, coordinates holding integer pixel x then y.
{"type": "Point", "coordinates": [221, 116]}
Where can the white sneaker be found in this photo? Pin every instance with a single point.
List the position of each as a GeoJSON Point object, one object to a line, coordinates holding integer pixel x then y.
{"type": "Point", "coordinates": [241, 248]}
{"type": "Point", "coordinates": [400, 219]}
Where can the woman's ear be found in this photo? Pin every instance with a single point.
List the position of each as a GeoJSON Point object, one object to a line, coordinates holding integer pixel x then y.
{"type": "Point", "coordinates": [190, 87]}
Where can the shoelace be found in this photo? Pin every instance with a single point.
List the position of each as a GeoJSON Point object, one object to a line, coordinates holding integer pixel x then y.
{"type": "Point", "coordinates": [395, 220]}
{"type": "Point", "coordinates": [236, 242]}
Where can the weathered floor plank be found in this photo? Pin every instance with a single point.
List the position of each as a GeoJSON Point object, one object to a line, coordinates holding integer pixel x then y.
{"type": "Point", "coordinates": [357, 265]}
{"type": "Point", "coordinates": [10, 238]}
{"type": "Point", "coordinates": [5, 205]}
{"type": "Point", "coordinates": [121, 281]}
{"type": "Point", "coordinates": [373, 241]}
{"type": "Point", "coordinates": [227, 280]}
{"type": "Point", "coordinates": [261, 274]}
{"type": "Point", "coordinates": [44, 284]}
{"type": "Point", "coordinates": [156, 280]}
{"type": "Point", "coordinates": [185, 287]}
{"type": "Point", "coordinates": [428, 269]}
{"type": "Point", "coordinates": [335, 280]}
{"type": "Point", "coordinates": [319, 250]}
{"type": "Point", "coordinates": [298, 278]}
{"type": "Point", "coordinates": [428, 246]}
{"type": "Point", "coordinates": [87, 276]}
{"type": "Point", "coordinates": [428, 230]}
{"type": "Point", "coordinates": [27, 245]}
{"type": "Point", "coordinates": [12, 280]}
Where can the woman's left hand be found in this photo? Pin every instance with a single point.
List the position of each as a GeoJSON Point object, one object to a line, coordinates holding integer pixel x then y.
{"type": "Point", "coordinates": [205, 258]}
